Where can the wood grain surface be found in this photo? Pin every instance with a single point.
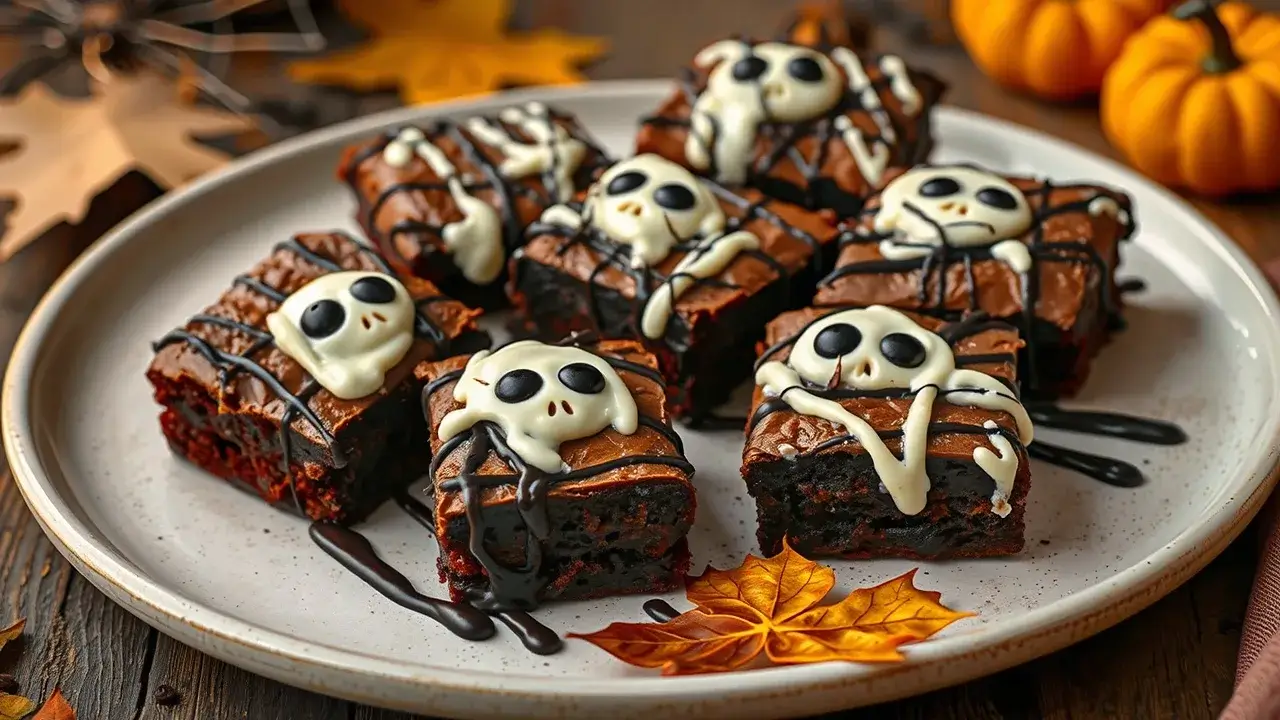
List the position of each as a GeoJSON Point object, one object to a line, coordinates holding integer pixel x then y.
{"type": "Point", "coordinates": [1175, 660]}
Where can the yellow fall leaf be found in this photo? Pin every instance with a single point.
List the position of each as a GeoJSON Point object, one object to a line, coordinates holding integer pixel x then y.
{"type": "Point", "coordinates": [72, 149]}
{"type": "Point", "coordinates": [15, 707]}
{"type": "Point", "coordinates": [12, 632]}
{"type": "Point", "coordinates": [773, 606]}
{"type": "Point", "coordinates": [444, 49]}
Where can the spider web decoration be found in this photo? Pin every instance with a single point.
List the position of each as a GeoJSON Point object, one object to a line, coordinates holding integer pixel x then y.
{"type": "Point", "coordinates": [297, 405]}
{"type": "Point", "coordinates": [108, 36]}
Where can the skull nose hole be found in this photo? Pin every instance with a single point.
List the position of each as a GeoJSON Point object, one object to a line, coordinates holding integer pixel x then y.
{"type": "Point", "coordinates": [380, 317]}
{"type": "Point", "coordinates": [631, 208]}
{"type": "Point", "coordinates": [947, 205]}
{"type": "Point", "coordinates": [551, 408]}
{"type": "Point", "coordinates": [963, 210]}
{"type": "Point", "coordinates": [568, 409]}
{"type": "Point", "coordinates": [364, 320]}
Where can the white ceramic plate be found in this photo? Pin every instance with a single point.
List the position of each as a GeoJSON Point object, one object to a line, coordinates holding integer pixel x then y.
{"type": "Point", "coordinates": [219, 570]}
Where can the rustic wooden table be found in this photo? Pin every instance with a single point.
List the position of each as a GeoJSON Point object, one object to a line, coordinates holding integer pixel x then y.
{"type": "Point", "coordinates": [1175, 659]}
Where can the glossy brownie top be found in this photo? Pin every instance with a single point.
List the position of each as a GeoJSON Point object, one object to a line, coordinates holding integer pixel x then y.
{"type": "Point", "coordinates": [228, 349]}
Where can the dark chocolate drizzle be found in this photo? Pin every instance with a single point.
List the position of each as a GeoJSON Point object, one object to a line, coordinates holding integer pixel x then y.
{"type": "Point", "coordinates": [1131, 286]}
{"type": "Point", "coordinates": [295, 405]}
{"type": "Point", "coordinates": [491, 178]}
{"type": "Point", "coordinates": [353, 551]}
{"type": "Point", "coordinates": [934, 266]}
{"type": "Point", "coordinates": [1111, 471]}
{"type": "Point", "coordinates": [517, 588]}
{"type": "Point", "coordinates": [783, 136]}
{"type": "Point", "coordinates": [660, 610]}
{"type": "Point", "coordinates": [648, 280]}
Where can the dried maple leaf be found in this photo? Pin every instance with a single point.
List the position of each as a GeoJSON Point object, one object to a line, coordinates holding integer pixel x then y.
{"type": "Point", "coordinates": [55, 708]}
{"type": "Point", "coordinates": [771, 605]}
{"type": "Point", "coordinates": [72, 149]}
{"type": "Point", "coordinates": [447, 48]}
{"type": "Point", "coordinates": [15, 707]}
{"type": "Point", "coordinates": [12, 632]}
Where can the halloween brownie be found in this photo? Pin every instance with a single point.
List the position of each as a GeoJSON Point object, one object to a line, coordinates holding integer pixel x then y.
{"type": "Point", "coordinates": [948, 239]}
{"type": "Point", "coordinates": [449, 200]}
{"type": "Point", "coordinates": [298, 384]}
{"type": "Point", "coordinates": [688, 267]}
{"type": "Point", "coordinates": [556, 474]}
{"type": "Point", "coordinates": [879, 433]}
{"type": "Point", "coordinates": [813, 126]}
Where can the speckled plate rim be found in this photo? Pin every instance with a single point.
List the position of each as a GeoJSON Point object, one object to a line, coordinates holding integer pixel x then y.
{"type": "Point", "coordinates": [782, 691]}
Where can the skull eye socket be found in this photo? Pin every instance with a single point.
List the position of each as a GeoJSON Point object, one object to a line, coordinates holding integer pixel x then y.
{"type": "Point", "coordinates": [902, 350]}
{"type": "Point", "coordinates": [582, 378]}
{"type": "Point", "coordinates": [997, 198]}
{"type": "Point", "coordinates": [837, 340]}
{"type": "Point", "coordinates": [517, 386]}
{"type": "Point", "coordinates": [940, 187]}
{"type": "Point", "coordinates": [373, 290]}
{"type": "Point", "coordinates": [322, 319]}
{"type": "Point", "coordinates": [626, 182]}
{"type": "Point", "coordinates": [749, 68]}
{"type": "Point", "coordinates": [674, 196]}
{"type": "Point", "coordinates": [805, 69]}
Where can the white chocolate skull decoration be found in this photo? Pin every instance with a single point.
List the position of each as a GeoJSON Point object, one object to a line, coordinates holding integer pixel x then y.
{"type": "Point", "coordinates": [878, 348]}
{"type": "Point", "coordinates": [748, 85]}
{"type": "Point", "coordinates": [347, 329]}
{"type": "Point", "coordinates": [958, 206]}
{"type": "Point", "coordinates": [541, 396]}
{"type": "Point", "coordinates": [651, 204]}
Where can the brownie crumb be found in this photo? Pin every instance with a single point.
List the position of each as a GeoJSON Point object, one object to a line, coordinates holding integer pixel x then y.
{"type": "Point", "coordinates": [1044, 542]}
{"type": "Point", "coordinates": [166, 695]}
{"type": "Point", "coordinates": [8, 684]}
{"type": "Point", "coordinates": [266, 530]}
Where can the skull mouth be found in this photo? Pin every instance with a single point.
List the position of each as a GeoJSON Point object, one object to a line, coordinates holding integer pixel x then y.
{"type": "Point", "coordinates": [972, 223]}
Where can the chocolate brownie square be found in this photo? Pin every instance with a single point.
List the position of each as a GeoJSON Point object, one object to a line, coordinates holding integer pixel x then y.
{"type": "Point", "coordinates": [556, 475]}
{"type": "Point", "coordinates": [448, 201]}
{"type": "Point", "coordinates": [690, 268]}
{"type": "Point", "coordinates": [298, 385]}
{"type": "Point", "coordinates": [812, 126]}
{"type": "Point", "coordinates": [949, 239]}
{"type": "Point", "coordinates": [879, 433]}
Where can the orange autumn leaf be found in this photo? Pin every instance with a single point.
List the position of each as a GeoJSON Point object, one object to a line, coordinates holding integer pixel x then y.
{"type": "Point", "coordinates": [55, 708]}
{"type": "Point", "coordinates": [447, 48]}
{"type": "Point", "coordinates": [773, 606]}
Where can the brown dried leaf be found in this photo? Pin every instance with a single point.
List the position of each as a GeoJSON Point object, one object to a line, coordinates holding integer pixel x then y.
{"type": "Point", "coordinates": [12, 632]}
{"type": "Point", "coordinates": [771, 605]}
{"type": "Point", "coordinates": [15, 707]}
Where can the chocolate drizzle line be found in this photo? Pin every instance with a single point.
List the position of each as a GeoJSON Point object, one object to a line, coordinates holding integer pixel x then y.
{"type": "Point", "coordinates": [296, 406]}
{"type": "Point", "coordinates": [1111, 471]}
{"type": "Point", "coordinates": [518, 587]}
{"type": "Point", "coordinates": [938, 262]}
{"type": "Point", "coordinates": [491, 178]}
{"type": "Point", "coordinates": [660, 610]}
{"type": "Point", "coordinates": [648, 280]}
{"type": "Point", "coordinates": [783, 136]}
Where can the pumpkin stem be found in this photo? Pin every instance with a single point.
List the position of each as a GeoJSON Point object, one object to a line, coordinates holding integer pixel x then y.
{"type": "Point", "coordinates": [1222, 58]}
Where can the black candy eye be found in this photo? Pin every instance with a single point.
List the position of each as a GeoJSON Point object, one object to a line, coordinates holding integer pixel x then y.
{"type": "Point", "coordinates": [940, 187]}
{"type": "Point", "coordinates": [674, 196]}
{"type": "Point", "coordinates": [322, 319]}
{"type": "Point", "coordinates": [626, 182]}
{"type": "Point", "coordinates": [997, 198]}
{"type": "Point", "coordinates": [581, 377]}
{"type": "Point", "coordinates": [902, 350]}
{"type": "Point", "coordinates": [749, 68]}
{"type": "Point", "coordinates": [373, 290]}
{"type": "Point", "coordinates": [518, 386]}
{"type": "Point", "coordinates": [805, 69]}
{"type": "Point", "coordinates": [837, 340]}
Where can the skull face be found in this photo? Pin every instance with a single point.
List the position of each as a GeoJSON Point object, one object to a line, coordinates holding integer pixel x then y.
{"type": "Point", "coordinates": [870, 349]}
{"type": "Point", "coordinates": [347, 329]}
{"type": "Point", "coordinates": [541, 396]}
{"type": "Point", "coordinates": [651, 203]}
{"type": "Point", "coordinates": [959, 205]}
{"type": "Point", "coordinates": [790, 83]}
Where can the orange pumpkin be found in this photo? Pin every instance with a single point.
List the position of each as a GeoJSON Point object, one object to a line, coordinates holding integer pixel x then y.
{"type": "Point", "coordinates": [1057, 49]}
{"type": "Point", "coordinates": [1194, 101]}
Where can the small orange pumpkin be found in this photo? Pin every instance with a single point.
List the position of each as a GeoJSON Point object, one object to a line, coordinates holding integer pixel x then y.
{"type": "Point", "coordinates": [1194, 101]}
{"type": "Point", "coordinates": [1057, 49]}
